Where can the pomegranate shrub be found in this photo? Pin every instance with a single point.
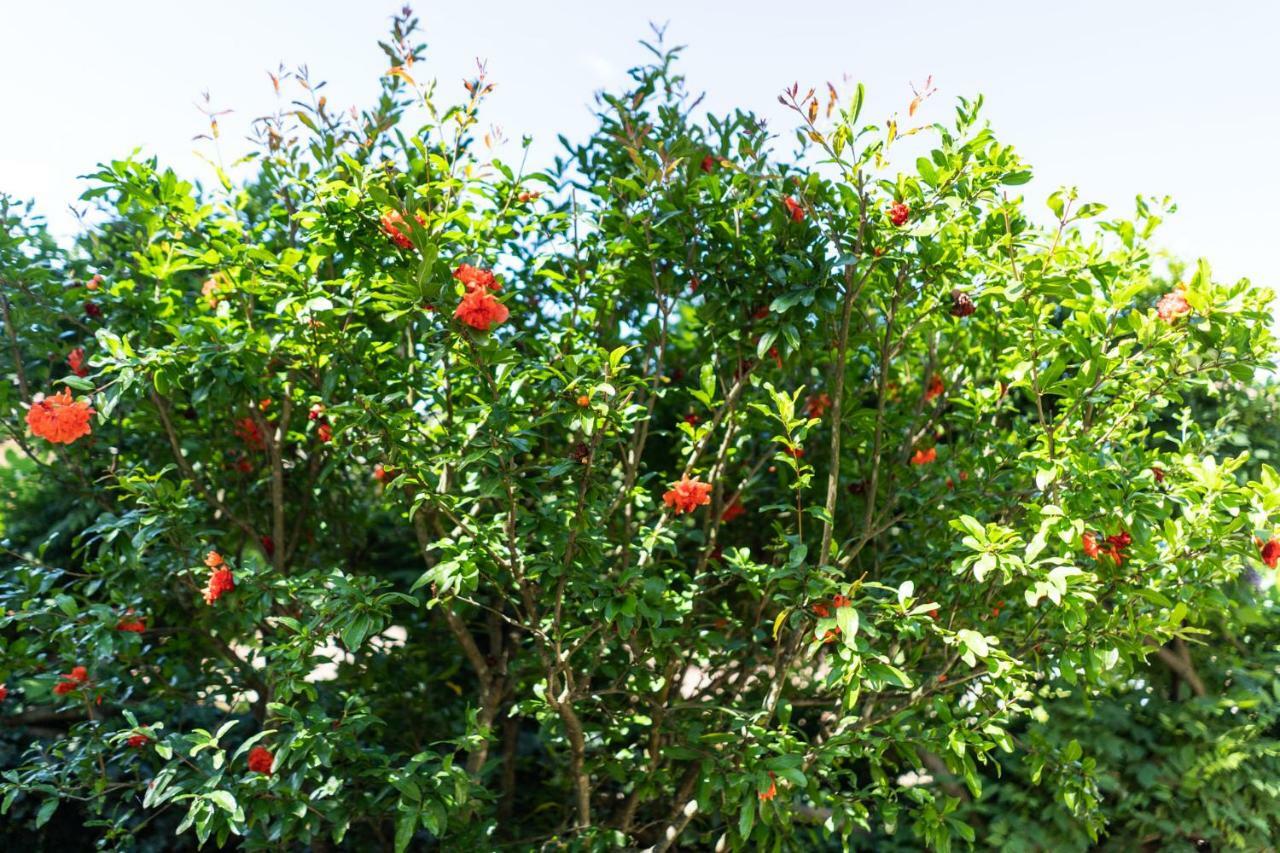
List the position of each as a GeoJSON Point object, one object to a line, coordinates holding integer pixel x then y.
{"type": "Point", "coordinates": [705, 489]}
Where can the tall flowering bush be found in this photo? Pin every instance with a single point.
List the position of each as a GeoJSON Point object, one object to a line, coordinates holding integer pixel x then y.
{"type": "Point", "coordinates": [692, 492]}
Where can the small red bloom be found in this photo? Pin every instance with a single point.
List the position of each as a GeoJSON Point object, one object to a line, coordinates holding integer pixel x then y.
{"type": "Point", "coordinates": [708, 163]}
{"type": "Point", "coordinates": [772, 790]}
{"type": "Point", "coordinates": [962, 304]}
{"type": "Point", "coordinates": [816, 406]}
{"type": "Point", "coordinates": [137, 740]}
{"type": "Point", "coordinates": [75, 360]}
{"type": "Point", "coordinates": [382, 474]}
{"type": "Point", "coordinates": [794, 210]}
{"type": "Point", "coordinates": [71, 680]}
{"type": "Point", "coordinates": [841, 601]}
{"type": "Point", "coordinates": [268, 545]}
{"type": "Point", "coordinates": [132, 626]}
{"type": "Point", "coordinates": [773, 351]}
{"type": "Point", "coordinates": [479, 310]}
{"type": "Point", "coordinates": [220, 581]}
{"type": "Point", "coordinates": [760, 313]}
{"type": "Point", "coordinates": [1271, 553]}
{"type": "Point", "coordinates": [392, 223]}
{"type": "Point", "coordinates": [687, 495]}
{"type": "Point", "coordinates": [92, 311]}
{"type": "Point", "coordinates": [732, 511]}
{"type": "Point", "coordinates": [213, 559]}
{"type": "Point", "coordinates": [1173, 305]}
{"type": "Point", "coordinates": [1158, 473]}
{"type": "Point", "coordinates": [60, 418]}
{"type": "Point", "coordinates": [244, 466]}
{"type": "Point", "coordinates": [942, 677]}
{"type": "Point", "coordinates": [315, 412]}
{"type": "Point", "coordinates": [795, 452]}
{"type": "Point", "coordinates": [691, 419]}
{"type": "Point", "coordinates": [936, 388]}
{"type": "Point", "coordinates": [1090, 545]}
{"type": "Point", "coordinates": [247, 431]}
{"type": "Point", "coordinates": [694, 281]}
{"type": "Point", "coordinates": [899, 213]}
{"type": "Point", "coordinates": [584, 400]}
{"type": "Point", "coordinates": [261, 760]}
{"type": "Point", "coordinates": [821, 610]}
{"type": "Point", "coordinates": [475, 278]}
{"type": "Point", "coordinates": [325, 433]}
{"type": "Point", "coordinates": [924, 457]}
{"type": "Point", "coordinates": [4, 692]}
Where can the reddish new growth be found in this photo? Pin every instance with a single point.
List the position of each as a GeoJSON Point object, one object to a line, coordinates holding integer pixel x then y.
{"type": "Point", "coordinates": [936, 388]}
{"type": "Point", "coordinates": [261, 760]}
{"type": "Point", "coordinates": [60, 418]}
{"type": "Point", "coordinates": [72, 680]}
{"type": "Point", "coordinates": [1173, 304]}
{"type": "Point", "coordinates": [924, 457]}
{"type": "Point", "coordinates": [1271, 553]}
{"type": "Point", "coordinates": [476, 278]}
{"type": "Point", "coordinates": [220, 578]}
{"type": "Point", "coordinates": [772, 791]}
{"type": "Point", "coordinates": [75, 360]}
{"type": "Point", "coordinates": [687, 495]}
{"type": "Point", "coordinates": [394, 225]}
{"type": "Point", "coordinates": [899, 213]}
{"type": "Point", "coordinates": [794, 210]}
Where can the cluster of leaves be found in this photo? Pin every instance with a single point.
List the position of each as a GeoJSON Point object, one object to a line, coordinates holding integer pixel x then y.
{"type": "Point", "coordinates": [463, 610]}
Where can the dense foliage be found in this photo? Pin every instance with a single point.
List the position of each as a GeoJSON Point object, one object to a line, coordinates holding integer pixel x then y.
{"type": "Point", "coordinates": [685, 493]}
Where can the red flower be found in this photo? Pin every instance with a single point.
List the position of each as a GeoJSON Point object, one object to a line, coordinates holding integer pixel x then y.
{"type": "Point", "coordinates": [137, 740]}
{"type": "Point", "coordinates": [260, 760]}
{"type": "Point", "coordinates": [795, 452]}
{"type": "Point", "coordinates": [691, 419]}
{"type": "Point", "coordinates": [936, 388]}
{"type": "Point", "coordinates": [392, 223]}
{"type": "Point", "coordinates": [687, 495]}
{"type": "Point", "coordinates": [92, 311]}
{"type": "Point", "coordinates": [59, 418]}
{"type": "Point", "coordinates": [4, 692]}
{"type": "Point", "coordinates": [220, 581]}
{"type": "Point", "coordinates": [1158, 473]}
{"type": "Point", "coordinates": [1173, 305]}
{"type": "Point", "coordinates": [479, 310]}
{"type": "Point", "coordinates": [794, 210]}
{"type": "Point", "coordinates": [315, 412]}
{"type": "Point", "coordinates": [71, 680]}
{"type": "Point", "coordinates": [773, 351]}
{"type": "Point", "coordinates": [772, 790]}
{"type": "Point", "coordinates": [475, 278]}
{"type": "Point", "coordinates": [268, 545]}
{"type": "Point", "coordinates": [131, 626]}
{"type": "Point", "coordinates": [75, 360]}
{"type": "Point", "coordinates": [899, 213]}
{"type": "Point", "coordinates": [732, 511]}
{"type": "Point", "coordinates": [760, 313]}
{"type": "Point", "coordinates": [708, 163]}
{"type": "Point", "coordinates": [325, 433]}
{"type": "Point", "coordinates": [816, 406]}
{"type": "Point", "coordinates": [924, 457]}
{"type": "Point", "coordinates": [247, 431]}
{"type": "Point", "coordinates": [1271, 553]}
{"type": "Point", "coordinates": [382, 474]}
{"type": "Point", "coordinates": [821, 610]}
{"type": "Point", "coordinates": [1090, 544]}
{"type": "Point", "coordinates": [841, 601]}
{"type": "Point", "coordinates": [213, 559]}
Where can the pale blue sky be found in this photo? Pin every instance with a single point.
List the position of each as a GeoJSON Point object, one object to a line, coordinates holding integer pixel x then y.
{"type": "Point", "coordinates": [1117, 97]}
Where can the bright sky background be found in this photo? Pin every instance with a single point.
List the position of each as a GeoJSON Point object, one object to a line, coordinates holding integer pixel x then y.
{"type": "Point", "coordinates": [1118, 97]}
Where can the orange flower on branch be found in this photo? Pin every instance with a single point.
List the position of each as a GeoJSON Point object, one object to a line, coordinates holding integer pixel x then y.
{"type": "Point", "coordinates": [1173, 304]}
{"type": "Point", "coordinates": [686, 495]}
{"type": "Point", "coordinates": [75, 360]}
{"type": "Point", "coordinates": [936, 388]}
{"type": "Point", "coordinates": [924, 457]}
{"type": "Point", "coordinates": [1270, 553]}
{"type": "Point", "coordinates": [220, 578]}
{"type": "Point", "coordinates": [394, 225]}
{"type": "Point", "coordinates": [476, 278]}
{"type": "Point", "coordinates": [794, 210]}
{"type": "Point", "coordinates": [479, 310]}
{"type": "Point", "coordinates": [261, 760]}
{"type": "Point", "coordinates": [816, 406]}
{"type": "Point", "coordinates": [772, 791]}
{"type": "Point", "coordinates": [899, 213]}
{"type": "Point", "coordinates": [732, 511]}
{"type": "Point", "coordinates": [60, 418]}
